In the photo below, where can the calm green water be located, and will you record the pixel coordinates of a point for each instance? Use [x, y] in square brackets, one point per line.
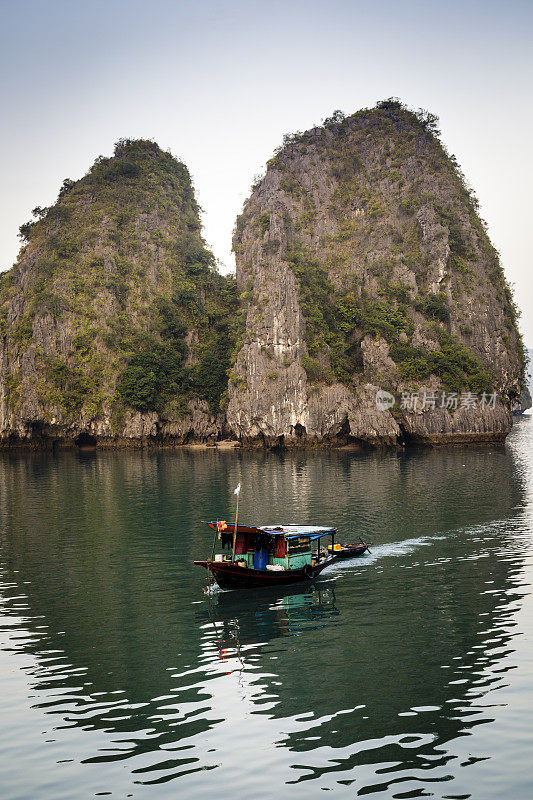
[408, 673]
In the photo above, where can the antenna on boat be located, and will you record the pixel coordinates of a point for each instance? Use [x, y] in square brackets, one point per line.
[237, 492]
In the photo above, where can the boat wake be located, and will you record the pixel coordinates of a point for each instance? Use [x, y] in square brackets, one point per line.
[388, 550]
[211, 589]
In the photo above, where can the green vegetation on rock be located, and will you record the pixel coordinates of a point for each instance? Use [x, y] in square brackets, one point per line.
[336, 323]
[118, 276]
[402, 254]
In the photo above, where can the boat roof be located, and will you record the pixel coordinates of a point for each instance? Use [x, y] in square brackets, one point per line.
[289, 531]
[293, 531]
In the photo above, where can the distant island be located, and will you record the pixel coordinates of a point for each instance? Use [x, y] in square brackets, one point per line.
[527, 391]
[369, 306]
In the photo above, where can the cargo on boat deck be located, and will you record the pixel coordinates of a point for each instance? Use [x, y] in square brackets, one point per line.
[261, 558]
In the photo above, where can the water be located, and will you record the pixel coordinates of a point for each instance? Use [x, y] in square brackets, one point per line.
[407, 673]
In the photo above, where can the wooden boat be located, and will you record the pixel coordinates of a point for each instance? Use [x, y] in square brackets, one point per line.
[268, 555]
[349, 550]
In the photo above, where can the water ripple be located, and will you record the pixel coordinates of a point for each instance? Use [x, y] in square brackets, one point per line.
[404, 673]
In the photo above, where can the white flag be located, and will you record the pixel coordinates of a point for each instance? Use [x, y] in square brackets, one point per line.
[238, 489]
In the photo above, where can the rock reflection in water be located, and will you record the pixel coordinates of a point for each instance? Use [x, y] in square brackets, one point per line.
[378, 679]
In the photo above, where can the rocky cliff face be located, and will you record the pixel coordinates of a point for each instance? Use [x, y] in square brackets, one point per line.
[373, 308]
[364, 266]
[114, 322]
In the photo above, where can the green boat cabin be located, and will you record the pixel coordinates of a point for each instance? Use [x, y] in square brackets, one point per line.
[272, 547]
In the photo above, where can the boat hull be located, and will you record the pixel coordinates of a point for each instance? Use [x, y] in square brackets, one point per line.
[231, 576]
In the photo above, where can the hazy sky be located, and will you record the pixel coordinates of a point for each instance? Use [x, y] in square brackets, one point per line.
[220, 83]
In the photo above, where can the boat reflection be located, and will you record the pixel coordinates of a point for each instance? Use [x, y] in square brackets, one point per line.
[239, 621]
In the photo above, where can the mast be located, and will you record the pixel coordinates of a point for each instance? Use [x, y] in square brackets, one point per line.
[237, 492]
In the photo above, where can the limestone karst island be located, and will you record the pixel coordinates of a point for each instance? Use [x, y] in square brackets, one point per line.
[363, 267]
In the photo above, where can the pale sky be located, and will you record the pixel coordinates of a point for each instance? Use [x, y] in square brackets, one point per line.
[219, 83]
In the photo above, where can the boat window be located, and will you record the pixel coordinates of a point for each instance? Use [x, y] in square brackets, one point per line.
[299, 545]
